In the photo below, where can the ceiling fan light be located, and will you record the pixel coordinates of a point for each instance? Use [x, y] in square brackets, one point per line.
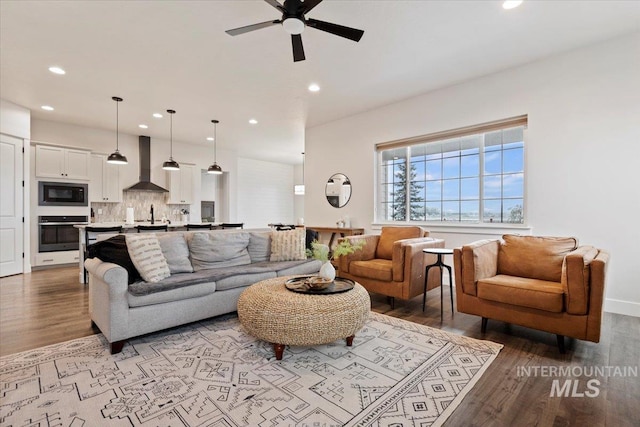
[116, 158]
[293, 26]
[171, 165]
[214, 169]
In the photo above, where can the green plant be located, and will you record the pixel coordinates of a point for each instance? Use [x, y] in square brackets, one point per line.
[320, 251]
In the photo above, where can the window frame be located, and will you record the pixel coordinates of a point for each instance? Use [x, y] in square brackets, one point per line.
[482, 129]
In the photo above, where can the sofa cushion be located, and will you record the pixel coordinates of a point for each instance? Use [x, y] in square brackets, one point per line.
[377, 269]
[176, 294]
[534, 257]
[211, 275]
[289, 268]
[520, 291]
[217, 250]
[390, 235]
[288, 245]
[259, 246]
[176, 252]
[146, 255]
[114, 250]
[243, 280]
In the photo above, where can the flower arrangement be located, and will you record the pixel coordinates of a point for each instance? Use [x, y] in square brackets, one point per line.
[320, 251]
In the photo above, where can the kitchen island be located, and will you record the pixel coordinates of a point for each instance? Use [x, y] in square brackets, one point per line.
[126, 228]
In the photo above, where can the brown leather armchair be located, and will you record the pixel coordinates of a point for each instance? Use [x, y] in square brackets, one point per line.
[545, 283]
[392, 263]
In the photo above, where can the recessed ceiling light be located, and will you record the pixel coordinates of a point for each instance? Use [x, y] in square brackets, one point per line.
[314, 87]
[253, 121]
[57, 70]
[157, 115]
[47, 107]
[143, 126]
[209, 138]
[511, 4]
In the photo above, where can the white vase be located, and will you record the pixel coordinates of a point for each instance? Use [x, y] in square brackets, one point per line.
[327, 271]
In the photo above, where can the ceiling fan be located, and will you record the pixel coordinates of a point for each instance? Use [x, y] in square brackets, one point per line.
[294, 22]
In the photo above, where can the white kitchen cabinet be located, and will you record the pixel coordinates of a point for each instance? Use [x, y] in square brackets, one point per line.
[181, 185]
[58, 162]
[104, 185]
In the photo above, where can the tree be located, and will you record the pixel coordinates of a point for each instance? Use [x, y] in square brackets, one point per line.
[399, 205]
[516, 216]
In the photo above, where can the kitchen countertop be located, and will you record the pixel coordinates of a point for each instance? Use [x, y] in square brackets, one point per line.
[128, 226]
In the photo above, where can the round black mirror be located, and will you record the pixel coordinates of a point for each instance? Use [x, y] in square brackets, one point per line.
[338, 190]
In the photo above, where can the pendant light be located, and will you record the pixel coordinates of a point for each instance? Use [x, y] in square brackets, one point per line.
[171, 165]
[116, 158]
[214, 168]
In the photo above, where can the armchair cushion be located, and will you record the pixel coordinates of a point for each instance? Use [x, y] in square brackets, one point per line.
[520, 291]
[378, 269]
[534, 257]
[390, 235]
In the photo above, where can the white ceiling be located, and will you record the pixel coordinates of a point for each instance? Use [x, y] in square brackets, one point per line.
[161, 55]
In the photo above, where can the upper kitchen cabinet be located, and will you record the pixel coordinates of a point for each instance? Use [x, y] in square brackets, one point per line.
[58, 162]
[181, 185]
[104, 186]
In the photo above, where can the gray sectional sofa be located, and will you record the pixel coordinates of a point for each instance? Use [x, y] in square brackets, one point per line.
[209, 271]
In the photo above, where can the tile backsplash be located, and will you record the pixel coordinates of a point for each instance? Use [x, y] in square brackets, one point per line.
[141, 202]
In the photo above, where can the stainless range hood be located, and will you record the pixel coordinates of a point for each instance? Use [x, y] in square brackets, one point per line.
[145, 183]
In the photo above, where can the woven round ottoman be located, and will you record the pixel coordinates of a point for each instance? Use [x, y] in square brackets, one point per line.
[271, 312]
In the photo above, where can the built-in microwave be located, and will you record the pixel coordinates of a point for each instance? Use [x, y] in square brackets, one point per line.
[62, 194]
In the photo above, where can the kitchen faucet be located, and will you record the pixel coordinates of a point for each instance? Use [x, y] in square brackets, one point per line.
[152, 220]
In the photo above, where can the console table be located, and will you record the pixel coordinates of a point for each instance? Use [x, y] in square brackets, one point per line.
[343, 231]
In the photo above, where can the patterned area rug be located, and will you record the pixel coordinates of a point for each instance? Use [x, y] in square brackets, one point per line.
[213, 374]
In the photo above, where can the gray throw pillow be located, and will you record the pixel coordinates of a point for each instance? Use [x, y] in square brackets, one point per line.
[175, 250]
[218, 249]
[260, 246]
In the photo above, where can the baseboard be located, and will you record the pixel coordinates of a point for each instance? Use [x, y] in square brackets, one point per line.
[622, 307]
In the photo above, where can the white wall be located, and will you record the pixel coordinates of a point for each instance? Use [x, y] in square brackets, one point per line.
[267, 193]
[298, 201]
[582, 151]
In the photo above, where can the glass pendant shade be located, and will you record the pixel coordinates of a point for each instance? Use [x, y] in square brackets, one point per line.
[116, 157]
[171, 165]
[215, 169]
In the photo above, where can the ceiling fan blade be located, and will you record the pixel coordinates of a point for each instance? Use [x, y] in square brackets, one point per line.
[310, 4]
[242, 30]
[275, 4]
[338, 30]
[298, 49]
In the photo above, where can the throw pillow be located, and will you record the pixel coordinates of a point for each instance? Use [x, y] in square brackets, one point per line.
[176, 252]
[114, 250]
[146, 255]
[260, 246]
[219, 249]
[288, 245]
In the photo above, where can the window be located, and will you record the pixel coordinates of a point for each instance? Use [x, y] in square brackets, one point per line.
[470, 175]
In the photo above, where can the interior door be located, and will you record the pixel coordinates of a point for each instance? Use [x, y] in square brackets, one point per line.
[11, 209]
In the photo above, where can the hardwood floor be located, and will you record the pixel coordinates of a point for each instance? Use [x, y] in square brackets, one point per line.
[50, 306]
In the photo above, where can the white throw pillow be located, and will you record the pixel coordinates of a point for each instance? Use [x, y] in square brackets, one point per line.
[288, 245]
[146, 255]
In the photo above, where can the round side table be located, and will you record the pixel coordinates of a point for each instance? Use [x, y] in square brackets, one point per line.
[440, 252]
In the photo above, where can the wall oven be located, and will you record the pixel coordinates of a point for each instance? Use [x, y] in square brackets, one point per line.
[62, 194]
[57, 233]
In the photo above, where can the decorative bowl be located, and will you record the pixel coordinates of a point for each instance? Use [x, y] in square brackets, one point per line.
[317, 283]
